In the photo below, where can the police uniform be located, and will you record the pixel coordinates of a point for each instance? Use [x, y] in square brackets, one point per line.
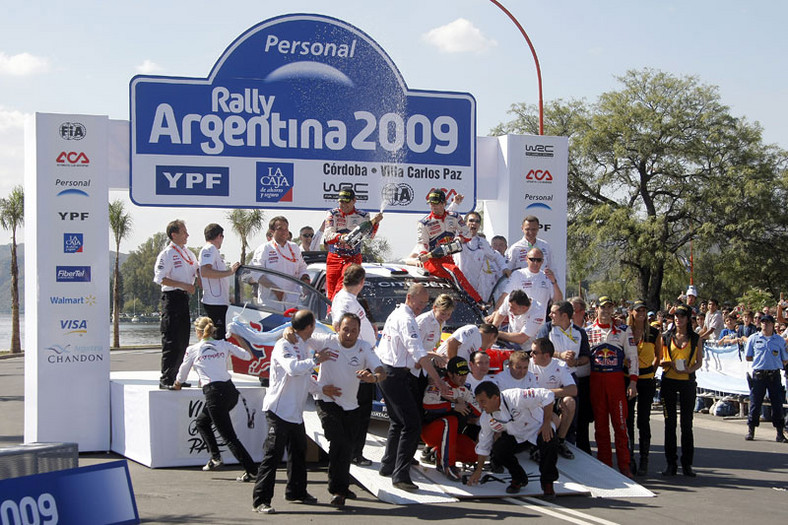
[768, 356]
[179, 264]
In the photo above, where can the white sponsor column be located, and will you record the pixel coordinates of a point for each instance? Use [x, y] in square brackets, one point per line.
[67, 280]
[532, 180]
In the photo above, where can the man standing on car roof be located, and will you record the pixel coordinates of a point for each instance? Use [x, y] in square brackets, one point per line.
[438, 228]
[339, 223]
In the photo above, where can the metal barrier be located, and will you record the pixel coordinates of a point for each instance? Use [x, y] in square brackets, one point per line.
[36, 458]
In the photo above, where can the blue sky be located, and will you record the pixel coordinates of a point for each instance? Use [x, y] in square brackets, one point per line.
[78, 57]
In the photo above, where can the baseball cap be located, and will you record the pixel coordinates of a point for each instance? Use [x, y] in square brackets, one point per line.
[346, 195]
[767, 318]
[692, 291]
[604, 300]
[458, 365]
[638, 304]
[436, 197]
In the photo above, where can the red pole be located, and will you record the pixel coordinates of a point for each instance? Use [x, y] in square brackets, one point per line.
[536, 60]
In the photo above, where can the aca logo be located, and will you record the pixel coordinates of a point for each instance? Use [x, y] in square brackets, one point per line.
[274, 182]
[397, 194]
[192, 180]
[74, 326]
[72, 131]
[543, 176]
[72, 242]
[72, 158]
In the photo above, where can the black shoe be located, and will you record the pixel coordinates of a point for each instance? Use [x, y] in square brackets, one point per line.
[548, 492]
[186, 385]
[350, 495]
[337, 501]
[564, 452]
[406, 485]
[670, 470]
[643, 467]
[385, 472]
[361, 461]
[781, 437]
[514, 487]
[750, 434]
[687, 470]
[495, 468]
[306, 498]
[164, 386]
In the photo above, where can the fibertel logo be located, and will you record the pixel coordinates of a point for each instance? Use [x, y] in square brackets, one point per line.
[72, 274]
[274, 182]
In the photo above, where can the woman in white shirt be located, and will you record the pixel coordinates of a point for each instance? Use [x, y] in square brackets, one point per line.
[209, 359]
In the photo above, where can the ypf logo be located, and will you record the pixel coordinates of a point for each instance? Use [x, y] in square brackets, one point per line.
[73, 215]
[72, 159]
[192, 180]
[72, 131]
[274, 182]
[397, 194]
[541, 176]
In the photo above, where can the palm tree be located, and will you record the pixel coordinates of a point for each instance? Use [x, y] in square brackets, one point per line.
[12, 215]
[245, 223]
[120, 222]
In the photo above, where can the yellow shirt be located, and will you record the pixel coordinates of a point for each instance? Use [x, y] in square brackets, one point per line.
[646, 353]
[675, 352]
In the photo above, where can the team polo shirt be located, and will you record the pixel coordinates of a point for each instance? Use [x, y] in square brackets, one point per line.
[290, 380]
[400, 342]
[345, 302]
[209, 359]
[553, 375]
[176, 263]
[214, 290]
[520, 415]
[504, 380]
[341, 369]
[517, 254]
[470, 339]
[429, 329]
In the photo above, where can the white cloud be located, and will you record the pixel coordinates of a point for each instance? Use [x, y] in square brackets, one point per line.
[22, 64]
[11, 120]
[149, 67]
[460, 36]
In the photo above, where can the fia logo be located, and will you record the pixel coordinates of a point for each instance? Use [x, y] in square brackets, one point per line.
[72, 131]
[397, 194]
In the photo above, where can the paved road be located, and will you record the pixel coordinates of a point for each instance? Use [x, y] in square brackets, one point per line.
[738, 482]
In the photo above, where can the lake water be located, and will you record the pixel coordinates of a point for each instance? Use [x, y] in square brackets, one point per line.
[131, 334]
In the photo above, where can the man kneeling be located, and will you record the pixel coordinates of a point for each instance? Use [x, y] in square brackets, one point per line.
[521, 419]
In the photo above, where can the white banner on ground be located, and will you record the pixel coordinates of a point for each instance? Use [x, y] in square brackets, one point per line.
[67, 280]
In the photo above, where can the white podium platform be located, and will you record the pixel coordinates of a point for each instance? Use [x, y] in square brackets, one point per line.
[156, 427]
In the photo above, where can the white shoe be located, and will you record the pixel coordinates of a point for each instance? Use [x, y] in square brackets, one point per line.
[265, 509]
[213, 464]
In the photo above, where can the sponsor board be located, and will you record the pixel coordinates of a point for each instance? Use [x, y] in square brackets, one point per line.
[294, 102]
[86, 300]
[73, 242]
[72, 131]
[73, 215]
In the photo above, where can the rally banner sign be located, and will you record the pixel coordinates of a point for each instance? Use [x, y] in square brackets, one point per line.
[295, 109]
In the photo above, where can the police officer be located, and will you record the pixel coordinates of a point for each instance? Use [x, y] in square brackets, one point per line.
[767, 352]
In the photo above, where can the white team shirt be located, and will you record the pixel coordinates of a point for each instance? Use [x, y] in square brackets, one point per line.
[429, 329]
[527, 323]
[214, 290]
[470, 339]
[290, 380]
[341, 371]
[504, 380]
[345, 302]
[520, 415]
[286, 259]
[538, 287]
[176, 263]
[400, 343]
[553, 375]
[209, 359]
[481, 265]
[517, 253]
[565, 341]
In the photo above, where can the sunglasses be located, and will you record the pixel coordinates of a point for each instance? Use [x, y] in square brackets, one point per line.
[307, 235]
[535, 259]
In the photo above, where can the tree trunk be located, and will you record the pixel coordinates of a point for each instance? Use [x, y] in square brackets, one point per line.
[16, 343]
[116, 300]
[653, 298]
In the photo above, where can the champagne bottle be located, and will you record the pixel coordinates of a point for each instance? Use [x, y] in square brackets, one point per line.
[358, 234]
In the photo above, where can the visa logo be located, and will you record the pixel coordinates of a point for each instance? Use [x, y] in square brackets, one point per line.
[192, 180]
[73, 324]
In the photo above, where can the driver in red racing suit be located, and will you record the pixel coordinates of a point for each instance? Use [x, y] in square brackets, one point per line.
[437, 228]
[613, 349]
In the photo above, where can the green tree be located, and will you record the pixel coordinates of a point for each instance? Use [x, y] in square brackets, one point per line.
[120, 223]
[245, 223]
[377, 249]
[137, 273]
[649, 166]
[12, 216]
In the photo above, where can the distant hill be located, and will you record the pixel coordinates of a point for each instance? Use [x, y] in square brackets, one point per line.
[5, 274]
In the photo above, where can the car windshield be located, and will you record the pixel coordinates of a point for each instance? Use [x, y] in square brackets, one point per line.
[275, 292]
[382, 294]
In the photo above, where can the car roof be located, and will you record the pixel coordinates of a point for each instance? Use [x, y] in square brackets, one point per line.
[384, 270]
